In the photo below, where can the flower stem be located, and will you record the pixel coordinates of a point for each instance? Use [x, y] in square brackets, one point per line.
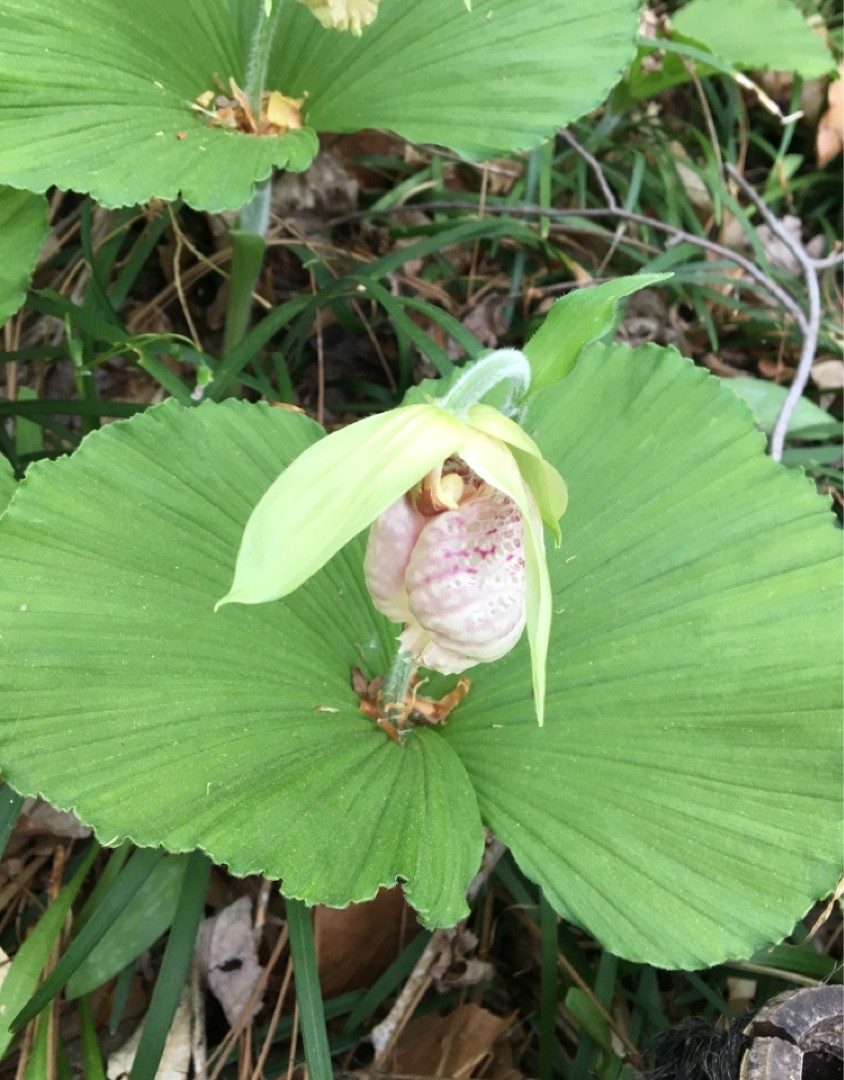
[504, 365]
[396, 686]
[260, 48]
[248, 240]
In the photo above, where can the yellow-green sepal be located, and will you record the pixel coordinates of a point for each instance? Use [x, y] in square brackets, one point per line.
[546, 484]
[496, 465]
[334, 490]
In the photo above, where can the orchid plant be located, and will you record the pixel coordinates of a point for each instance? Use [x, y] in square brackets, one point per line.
[678, 798]
[680, 801]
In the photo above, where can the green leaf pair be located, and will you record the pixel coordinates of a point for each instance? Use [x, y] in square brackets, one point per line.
[104, 90]
[682, 801]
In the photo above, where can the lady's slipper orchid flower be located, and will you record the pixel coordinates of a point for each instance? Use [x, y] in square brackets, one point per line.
[458, 493]
[448, 561]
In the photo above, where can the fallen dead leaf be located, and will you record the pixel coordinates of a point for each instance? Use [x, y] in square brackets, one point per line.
[175, 1060]
[225, 953]
[455, 966]
[359, 942]
[694, 185]
[486, 322]
[38, 817]
[455, 1045]
[828, 374]
[780, 254]
[829, 141]
[775, 370]
[503, 1066]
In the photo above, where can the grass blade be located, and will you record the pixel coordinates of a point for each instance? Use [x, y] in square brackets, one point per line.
[137, 871]
[174, 968]
[10, 807]
[311, 1011]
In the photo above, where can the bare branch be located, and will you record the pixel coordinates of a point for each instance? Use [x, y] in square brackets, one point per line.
[810, 268]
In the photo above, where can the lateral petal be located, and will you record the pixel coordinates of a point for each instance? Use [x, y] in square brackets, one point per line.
[494, 463]
[334, 490]
[546, 484]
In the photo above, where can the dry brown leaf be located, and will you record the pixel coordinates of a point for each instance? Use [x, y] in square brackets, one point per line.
[358, 943]
[225, 953]
[38, 817]
[693, 184]
[455, 1045]
[829, 141]
[775, 370]
[502, 1066]
[175, 1060]
[780, 254]
[485, 321]
[828, 374]
[326, 189]
[455, 967]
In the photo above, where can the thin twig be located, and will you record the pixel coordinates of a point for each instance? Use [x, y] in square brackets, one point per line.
[810, 268]
[678, 236]
[597, 171]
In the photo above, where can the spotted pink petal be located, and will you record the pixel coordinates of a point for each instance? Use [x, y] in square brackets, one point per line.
[392, 539]
[465, 585]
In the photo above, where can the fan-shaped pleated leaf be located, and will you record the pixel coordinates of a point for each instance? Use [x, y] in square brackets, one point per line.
[683, 801]
[97, 97]
[499, 77]
[757, 34]
[128, 699]
[7, 483]
[97, 94]
[23, 226]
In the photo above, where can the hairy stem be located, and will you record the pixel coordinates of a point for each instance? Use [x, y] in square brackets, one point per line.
[248, 241]
[260, 48]
[397, 684]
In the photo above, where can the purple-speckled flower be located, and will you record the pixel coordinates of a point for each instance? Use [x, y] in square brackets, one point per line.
[448, 561]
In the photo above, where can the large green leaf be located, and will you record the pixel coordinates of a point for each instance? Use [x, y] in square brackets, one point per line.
[682, 801]
[499, 77]
[103, 89]
[756, 34]
[127, 698]
[720, 35]
[96, 97]
[23, 226]
[7, 483]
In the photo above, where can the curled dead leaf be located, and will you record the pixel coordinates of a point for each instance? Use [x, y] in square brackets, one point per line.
[828, 374]
[175, 1058]
[829, 141]
[455, 1045]
[232, 110]
[225, 952]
